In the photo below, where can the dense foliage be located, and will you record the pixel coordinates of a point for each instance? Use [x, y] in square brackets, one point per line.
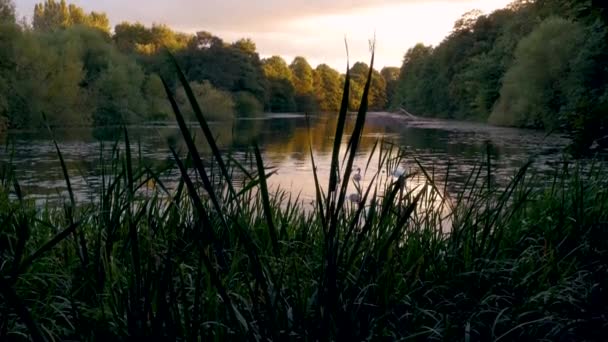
[52, 15]
[73, 76]
[70, 67]
[538, 64]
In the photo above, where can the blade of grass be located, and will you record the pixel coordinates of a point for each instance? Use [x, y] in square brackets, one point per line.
[334, 168]
[203, 123]
[48, 246]
[13, 300]
[196, 157]
[266, 201]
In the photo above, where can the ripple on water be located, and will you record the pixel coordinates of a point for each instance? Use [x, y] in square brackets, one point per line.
[284, 140]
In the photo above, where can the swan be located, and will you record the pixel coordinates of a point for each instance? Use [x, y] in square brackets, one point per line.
[357, 177]
[398, 172]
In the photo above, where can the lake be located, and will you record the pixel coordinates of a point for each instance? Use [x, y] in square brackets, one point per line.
[284, 140]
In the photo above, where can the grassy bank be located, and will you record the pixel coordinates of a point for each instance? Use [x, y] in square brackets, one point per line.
[214, 260]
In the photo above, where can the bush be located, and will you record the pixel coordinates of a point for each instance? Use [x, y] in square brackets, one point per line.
[246, 104]
[215, 104]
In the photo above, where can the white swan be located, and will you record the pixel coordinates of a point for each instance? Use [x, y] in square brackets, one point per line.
[357, 177]
[398, 172]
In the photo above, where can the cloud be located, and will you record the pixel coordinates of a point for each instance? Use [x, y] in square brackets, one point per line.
[311, 28]
[226, 14]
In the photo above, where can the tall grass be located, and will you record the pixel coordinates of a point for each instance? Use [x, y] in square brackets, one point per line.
[211, 260]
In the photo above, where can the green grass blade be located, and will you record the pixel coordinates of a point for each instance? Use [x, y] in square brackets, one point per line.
[194, 197]
[335, 156]
[196, 157]
[266, 200]
[13, 300]
[203, 124]
[48, 246]
[355, 138]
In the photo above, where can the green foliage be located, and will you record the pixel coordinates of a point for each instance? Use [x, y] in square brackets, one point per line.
[227, 67]
[275, 67]
[377, 94]
[119, 95]
[518, 66]
[302, 76]
[7, 11]
[281, 96]
[94, 61]
[74, 77]
[281, 91]
[327, 88]
[218, 104]
[246, 104]
[52, 15]
[415, 87]
[391, 78]
[154, 93]
[73, 70]
[46, 81]
[136, 38]
[461, 77]
[544, 80]
[246, 45]
[9, 37]
[303, 81]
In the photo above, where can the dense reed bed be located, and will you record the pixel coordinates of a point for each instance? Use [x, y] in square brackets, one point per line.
[215, 259]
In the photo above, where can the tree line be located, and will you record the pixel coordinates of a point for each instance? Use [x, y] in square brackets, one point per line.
[535, 64]
[69, 66]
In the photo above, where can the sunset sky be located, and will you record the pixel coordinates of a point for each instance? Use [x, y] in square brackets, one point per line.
[311, 28]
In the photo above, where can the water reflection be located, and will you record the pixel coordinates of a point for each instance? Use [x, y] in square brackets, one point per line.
[285, 140]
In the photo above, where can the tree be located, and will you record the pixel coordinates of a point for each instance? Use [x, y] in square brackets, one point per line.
[467, 21]
[118, 95]
[204, 40]
[391, 78]
[7, 11]
[161, 36]
[415, 88]
[128, 36]
[97, 20]
[73, 76]
[225, 66]
[116, 85]
[461, 77]
[302, 76]
[45, 80]
[281, 94]
[156, 98]
[377, 93]
[215, 104]
[246, 45]
[10, 34]
[328, 88]
[246, 104]
[543, 80]
[275, 67]
[52, 15]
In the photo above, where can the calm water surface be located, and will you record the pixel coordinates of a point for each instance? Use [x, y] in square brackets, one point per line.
[285, 141]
